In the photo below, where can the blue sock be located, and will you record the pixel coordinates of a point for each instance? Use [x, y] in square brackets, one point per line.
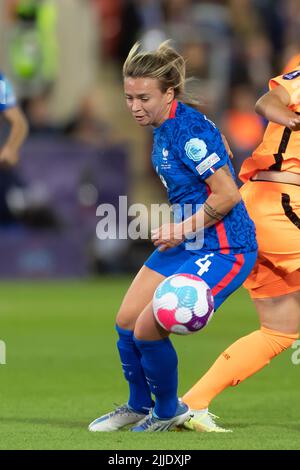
[159, 361]
[139, 392]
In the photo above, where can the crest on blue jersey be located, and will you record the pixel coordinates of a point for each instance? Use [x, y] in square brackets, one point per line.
[291, 75]
[196, 149]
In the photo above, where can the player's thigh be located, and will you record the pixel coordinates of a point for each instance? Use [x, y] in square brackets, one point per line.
[280, 313]
[157, 267]
[275, 209]
[138, 296]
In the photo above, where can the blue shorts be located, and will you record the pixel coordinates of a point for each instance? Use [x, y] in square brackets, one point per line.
[223, 273]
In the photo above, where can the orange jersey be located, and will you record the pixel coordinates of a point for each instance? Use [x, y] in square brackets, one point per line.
[280, 148]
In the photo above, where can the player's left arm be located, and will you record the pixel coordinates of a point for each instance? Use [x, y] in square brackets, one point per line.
[9, 153]
[224, 195]
[205, 155]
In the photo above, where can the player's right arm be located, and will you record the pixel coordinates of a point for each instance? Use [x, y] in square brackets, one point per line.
[9, 153]
[274, 107]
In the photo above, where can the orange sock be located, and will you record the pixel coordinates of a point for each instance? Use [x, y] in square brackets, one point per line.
[241, 360]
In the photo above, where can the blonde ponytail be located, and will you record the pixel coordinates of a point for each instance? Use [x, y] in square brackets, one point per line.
[165, 64]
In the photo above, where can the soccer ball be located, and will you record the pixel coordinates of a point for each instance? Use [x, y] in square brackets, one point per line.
[183, 304]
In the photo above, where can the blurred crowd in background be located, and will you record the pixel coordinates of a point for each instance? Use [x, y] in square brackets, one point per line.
[65, 59]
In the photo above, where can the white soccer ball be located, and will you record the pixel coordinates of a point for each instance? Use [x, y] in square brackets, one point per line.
[183, 304]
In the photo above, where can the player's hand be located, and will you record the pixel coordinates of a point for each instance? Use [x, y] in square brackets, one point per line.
[8, 156]
[167, 236]
[294, 123]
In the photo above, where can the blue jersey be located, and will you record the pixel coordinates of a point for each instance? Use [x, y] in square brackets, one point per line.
[7, 96]
[188, 149]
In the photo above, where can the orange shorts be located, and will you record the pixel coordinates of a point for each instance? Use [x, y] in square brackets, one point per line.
[275, 210]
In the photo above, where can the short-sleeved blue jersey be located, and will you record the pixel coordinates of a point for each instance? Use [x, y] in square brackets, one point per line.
[187, 149]
[7, 95]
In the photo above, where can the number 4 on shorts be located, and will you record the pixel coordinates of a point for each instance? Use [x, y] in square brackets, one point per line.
[204, 264]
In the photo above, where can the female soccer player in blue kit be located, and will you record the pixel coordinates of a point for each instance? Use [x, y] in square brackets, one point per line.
[191, 160]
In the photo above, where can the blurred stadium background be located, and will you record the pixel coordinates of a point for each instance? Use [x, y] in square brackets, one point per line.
[64, 58]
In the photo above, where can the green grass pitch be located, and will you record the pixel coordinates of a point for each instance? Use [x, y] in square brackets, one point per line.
[62, 371]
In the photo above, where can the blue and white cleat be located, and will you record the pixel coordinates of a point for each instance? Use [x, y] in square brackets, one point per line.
[203, 421]
[152, 423]
[117, 419]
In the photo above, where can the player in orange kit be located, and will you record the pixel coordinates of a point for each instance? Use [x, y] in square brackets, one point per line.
[272, 196]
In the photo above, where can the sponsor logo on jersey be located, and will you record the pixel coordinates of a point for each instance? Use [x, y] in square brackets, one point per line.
[207, 163]
[195, 149]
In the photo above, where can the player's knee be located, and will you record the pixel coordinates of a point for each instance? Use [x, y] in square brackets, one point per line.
[126, 319]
